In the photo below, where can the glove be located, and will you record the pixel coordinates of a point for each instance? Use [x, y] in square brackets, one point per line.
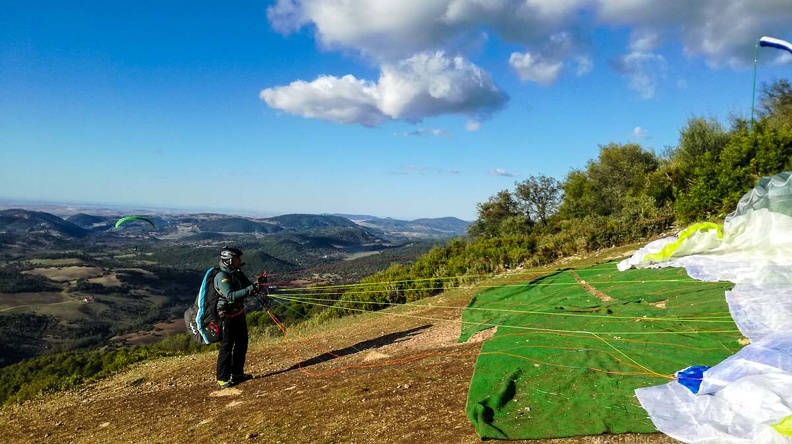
[262, 278]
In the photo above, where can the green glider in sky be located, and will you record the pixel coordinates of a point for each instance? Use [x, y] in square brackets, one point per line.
[128, 218]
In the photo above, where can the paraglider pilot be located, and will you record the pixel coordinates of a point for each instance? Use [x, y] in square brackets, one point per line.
[233, 287]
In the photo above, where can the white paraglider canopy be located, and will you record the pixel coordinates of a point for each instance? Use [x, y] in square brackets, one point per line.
[747, 397]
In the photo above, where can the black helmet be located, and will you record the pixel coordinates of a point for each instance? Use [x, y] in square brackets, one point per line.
[228, 253]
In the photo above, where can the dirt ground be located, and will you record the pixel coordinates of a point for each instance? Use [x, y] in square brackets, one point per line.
[396, 376]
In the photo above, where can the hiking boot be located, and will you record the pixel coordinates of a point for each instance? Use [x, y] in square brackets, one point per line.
[225, 384]
[236, 379]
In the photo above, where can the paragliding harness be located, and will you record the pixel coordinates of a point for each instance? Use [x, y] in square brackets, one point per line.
[201, 319]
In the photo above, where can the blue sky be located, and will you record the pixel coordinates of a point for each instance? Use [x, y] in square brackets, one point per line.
[394, 108]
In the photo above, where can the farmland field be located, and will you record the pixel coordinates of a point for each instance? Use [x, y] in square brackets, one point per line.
[11, 300]
[64, 274]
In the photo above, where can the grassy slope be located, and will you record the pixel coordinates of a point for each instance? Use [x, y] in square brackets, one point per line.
[396, 376]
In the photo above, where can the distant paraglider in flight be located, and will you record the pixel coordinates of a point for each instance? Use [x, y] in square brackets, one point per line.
[129, 218]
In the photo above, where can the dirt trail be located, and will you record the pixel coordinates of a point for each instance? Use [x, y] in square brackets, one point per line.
[396, 376]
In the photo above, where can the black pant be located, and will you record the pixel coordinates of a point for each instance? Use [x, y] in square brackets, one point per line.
[233, 347]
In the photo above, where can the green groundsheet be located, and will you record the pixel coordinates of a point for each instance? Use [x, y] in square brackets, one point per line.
[565, 361]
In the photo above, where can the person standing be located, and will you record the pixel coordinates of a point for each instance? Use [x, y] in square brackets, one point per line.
[232, 287]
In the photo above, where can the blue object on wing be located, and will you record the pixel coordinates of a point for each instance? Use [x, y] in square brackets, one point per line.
[691, 377]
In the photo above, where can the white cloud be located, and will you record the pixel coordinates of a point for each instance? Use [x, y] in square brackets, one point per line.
[425, 85]
[644, 70]
[472, 125]
[434, 84]
[545, 67]
[380, 29]
[501, 172]
[556, 37]
[518, 21]
[534, 69]
[782, 58]
[340, 100]
[426, 132]
[287, 16]
[723, 32]
[640, 133]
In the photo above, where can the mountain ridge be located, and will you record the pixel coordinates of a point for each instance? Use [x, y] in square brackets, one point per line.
[80, 223]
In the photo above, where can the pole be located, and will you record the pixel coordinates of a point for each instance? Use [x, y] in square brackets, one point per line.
[753, 96]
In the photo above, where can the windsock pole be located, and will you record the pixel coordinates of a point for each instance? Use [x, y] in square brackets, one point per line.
[753, 96]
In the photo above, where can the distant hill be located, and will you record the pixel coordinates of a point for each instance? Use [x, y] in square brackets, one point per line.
[444, 227]
[28, 223]
[86, 220]
[309, 221]
[339, 237]
[448, 224]
[237, 225]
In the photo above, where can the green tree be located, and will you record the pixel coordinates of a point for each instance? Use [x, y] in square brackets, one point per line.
[620, 172]
[700, 136]
[775, 104]
[493, 213]
[539, 198]
[578, 195]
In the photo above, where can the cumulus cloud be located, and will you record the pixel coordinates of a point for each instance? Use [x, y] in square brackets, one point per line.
[425, 85]
[340, 100]
[434, 84]
[380, 29]
[501, 172]
[554, 38]
[545, 67]
[532, 68]
[724, 33]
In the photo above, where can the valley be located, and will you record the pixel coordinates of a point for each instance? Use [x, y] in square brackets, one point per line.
[79, 282]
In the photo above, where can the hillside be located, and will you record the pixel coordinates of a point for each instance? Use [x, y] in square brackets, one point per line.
[396, 376]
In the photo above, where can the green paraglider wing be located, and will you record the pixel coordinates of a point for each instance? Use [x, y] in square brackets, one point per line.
[128, 218]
